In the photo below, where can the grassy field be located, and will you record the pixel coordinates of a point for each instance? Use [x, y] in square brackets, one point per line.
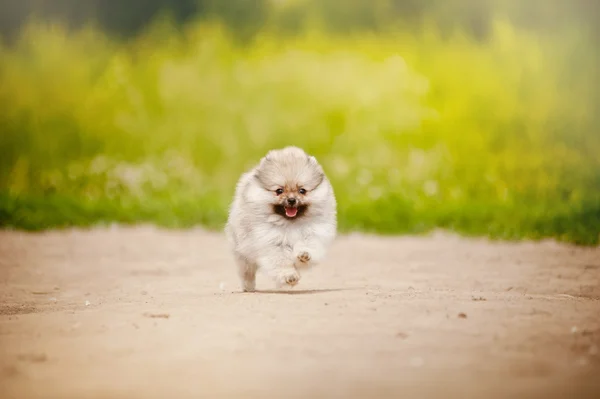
[415, 131]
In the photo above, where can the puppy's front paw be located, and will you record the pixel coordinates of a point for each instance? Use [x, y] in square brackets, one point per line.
[303, 257]
[288, 277]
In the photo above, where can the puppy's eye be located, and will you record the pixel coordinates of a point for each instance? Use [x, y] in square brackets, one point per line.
[279, 191]
[302, 191]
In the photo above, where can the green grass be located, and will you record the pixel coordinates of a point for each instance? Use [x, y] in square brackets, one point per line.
[415, 131]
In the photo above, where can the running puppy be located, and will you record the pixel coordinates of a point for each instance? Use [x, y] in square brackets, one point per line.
[283, 217]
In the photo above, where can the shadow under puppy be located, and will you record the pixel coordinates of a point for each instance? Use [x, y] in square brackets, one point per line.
[283, 217]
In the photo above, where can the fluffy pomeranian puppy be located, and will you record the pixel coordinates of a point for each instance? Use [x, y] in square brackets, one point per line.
[282, 219]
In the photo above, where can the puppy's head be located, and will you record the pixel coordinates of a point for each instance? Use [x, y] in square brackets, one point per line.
[291, 177]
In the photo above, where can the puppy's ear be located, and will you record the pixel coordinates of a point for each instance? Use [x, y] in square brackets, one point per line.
[266, 160]
[318, 173]
[262, 172]
[312, 161]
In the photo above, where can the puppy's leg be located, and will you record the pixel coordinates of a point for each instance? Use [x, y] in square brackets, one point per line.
[313, 247]
[247, 273]
[308, 253]
[280, 267]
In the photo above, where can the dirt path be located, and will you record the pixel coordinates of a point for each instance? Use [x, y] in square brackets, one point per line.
[144, 313]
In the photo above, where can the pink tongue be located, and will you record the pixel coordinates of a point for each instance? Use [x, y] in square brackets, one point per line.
[291, 212]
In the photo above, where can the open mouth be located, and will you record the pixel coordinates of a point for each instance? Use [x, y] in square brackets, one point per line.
[290, 212]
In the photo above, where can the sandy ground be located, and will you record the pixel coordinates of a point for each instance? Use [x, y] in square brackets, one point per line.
[144, 313]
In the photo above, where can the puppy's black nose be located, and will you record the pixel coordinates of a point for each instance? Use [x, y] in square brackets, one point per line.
[291, 201]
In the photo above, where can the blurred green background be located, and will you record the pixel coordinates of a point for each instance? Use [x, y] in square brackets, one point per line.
[478, 116]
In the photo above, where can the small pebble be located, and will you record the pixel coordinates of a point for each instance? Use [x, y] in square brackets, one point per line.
[157, 315]
[462, 315]
[574, 329]
[87, 303]
[222, 286]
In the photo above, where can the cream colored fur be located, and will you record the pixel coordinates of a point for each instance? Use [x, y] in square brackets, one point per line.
[263, 239]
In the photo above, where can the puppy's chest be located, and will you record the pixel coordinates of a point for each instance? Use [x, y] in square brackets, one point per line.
[285, 236]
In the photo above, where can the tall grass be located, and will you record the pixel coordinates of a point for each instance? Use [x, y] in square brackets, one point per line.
[415, 131]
